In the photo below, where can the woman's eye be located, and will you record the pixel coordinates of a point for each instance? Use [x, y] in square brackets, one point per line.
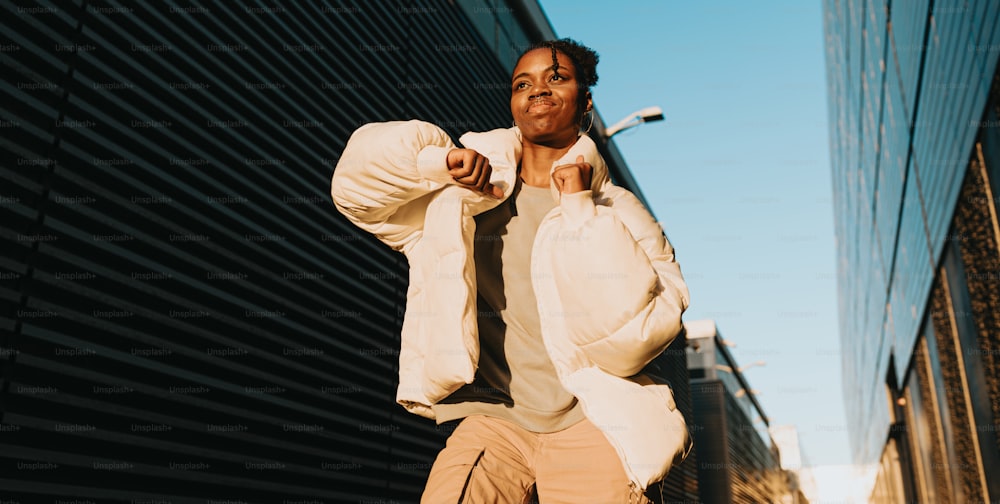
[557, 77]
[520, 85]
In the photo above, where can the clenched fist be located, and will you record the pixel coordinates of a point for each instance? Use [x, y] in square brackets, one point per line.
[472, 169]
[574, 177]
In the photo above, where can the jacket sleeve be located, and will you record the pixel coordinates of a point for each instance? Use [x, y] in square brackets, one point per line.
[386, 166]
[620, 288]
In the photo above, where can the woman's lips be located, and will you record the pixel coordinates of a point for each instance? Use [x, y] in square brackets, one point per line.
[540, 106]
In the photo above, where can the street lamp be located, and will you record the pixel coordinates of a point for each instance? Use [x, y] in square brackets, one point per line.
[752, 364]
[723, 367]
[648, 114]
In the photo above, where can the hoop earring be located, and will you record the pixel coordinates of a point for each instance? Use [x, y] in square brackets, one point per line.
[591, 125]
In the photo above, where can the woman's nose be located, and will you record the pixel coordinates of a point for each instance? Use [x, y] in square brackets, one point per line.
[538, 91]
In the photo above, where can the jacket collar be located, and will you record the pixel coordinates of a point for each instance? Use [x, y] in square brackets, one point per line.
[503, 148]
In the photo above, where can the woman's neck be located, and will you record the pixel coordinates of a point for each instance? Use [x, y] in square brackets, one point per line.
[536, 162]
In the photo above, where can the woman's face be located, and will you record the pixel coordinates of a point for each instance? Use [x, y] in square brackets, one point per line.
[544, 100]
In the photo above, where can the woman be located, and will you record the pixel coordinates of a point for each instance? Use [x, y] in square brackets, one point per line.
[538, 292]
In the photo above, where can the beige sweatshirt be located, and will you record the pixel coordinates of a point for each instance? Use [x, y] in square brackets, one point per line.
[515, 380]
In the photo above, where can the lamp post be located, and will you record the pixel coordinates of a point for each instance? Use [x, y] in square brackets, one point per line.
[648, 114]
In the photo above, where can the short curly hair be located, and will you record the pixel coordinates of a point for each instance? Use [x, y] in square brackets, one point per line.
[584, 60]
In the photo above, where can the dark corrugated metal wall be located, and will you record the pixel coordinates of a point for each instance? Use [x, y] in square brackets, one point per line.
[710, 433]
[681, 483]
[185, 315]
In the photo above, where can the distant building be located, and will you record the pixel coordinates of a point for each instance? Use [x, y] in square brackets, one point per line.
[798, 478]
[915, 143]
[787, 439]
[737, 459]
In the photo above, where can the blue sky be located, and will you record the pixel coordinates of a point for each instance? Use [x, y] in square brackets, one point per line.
[739, 176]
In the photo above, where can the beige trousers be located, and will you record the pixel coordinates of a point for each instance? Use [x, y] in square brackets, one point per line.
[492, 461]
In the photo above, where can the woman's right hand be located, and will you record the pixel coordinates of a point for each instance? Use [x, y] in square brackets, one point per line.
[472, 169]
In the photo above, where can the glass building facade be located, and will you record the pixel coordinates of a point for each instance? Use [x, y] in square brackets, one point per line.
[185, 317]
[914, 143]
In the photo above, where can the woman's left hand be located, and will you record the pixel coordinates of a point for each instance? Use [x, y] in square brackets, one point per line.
[574, 177]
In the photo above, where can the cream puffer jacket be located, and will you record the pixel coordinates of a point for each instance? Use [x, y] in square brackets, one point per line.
[610, 295]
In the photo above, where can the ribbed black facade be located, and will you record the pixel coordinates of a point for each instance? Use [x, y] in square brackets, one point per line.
[185, 316]
[711, 440]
